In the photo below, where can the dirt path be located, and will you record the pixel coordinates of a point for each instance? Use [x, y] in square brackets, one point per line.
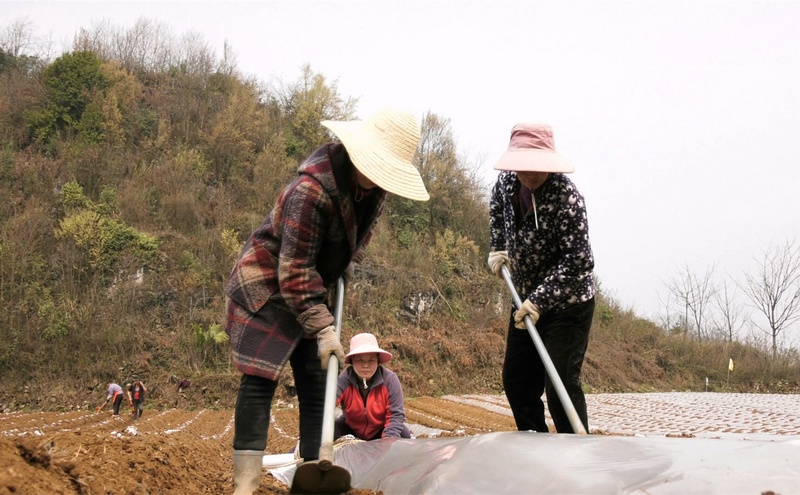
[182, 451]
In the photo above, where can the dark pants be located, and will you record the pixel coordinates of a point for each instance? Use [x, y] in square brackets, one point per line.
[565, 335]
[138, 408]
[116, 403]
[254, 401]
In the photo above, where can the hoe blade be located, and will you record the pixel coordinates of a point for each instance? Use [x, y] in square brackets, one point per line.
[320, 477]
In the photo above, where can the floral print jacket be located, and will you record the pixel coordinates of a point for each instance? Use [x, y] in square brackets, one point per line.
[549, 252]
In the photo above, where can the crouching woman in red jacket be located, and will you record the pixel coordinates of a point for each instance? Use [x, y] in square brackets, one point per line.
[370, 395]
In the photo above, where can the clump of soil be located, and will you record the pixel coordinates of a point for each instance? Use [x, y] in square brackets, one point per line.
[169, 450]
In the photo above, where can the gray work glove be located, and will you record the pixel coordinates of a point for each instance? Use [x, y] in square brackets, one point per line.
[496, 260]
[328, 343]
[527, 309]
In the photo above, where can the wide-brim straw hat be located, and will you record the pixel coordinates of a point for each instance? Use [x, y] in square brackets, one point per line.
[382, 148]
[366, 343]
[532, 149]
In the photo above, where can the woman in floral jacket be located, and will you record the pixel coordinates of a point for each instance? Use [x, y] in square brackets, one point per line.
[538, 226]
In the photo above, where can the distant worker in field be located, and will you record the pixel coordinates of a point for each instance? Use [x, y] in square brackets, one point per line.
[115, 396]
[183, 385]
[136, 394]
[369, 394]
[538, 227]
[321, 223]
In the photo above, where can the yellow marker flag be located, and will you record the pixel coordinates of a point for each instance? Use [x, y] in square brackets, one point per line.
[730, 364]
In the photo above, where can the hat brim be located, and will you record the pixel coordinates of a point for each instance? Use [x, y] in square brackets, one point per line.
[383, 356]
[530, 160]
[377, 163]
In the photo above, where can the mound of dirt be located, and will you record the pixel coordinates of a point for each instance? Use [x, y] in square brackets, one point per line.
[181, 451]
[169, 451]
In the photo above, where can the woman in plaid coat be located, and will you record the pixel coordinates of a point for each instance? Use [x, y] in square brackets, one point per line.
[277, 313]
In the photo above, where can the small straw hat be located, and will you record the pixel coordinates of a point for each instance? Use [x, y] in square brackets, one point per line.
[382, 147]
[365, 343]
[532, 149]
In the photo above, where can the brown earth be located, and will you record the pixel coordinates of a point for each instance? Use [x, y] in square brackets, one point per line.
[170, 451]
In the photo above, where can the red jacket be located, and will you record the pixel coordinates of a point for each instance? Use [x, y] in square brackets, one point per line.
[382, 414]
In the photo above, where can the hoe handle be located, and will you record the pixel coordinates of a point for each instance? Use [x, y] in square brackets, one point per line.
[569, 407]
[328, 413]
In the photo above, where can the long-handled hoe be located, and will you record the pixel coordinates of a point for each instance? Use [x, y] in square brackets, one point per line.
[322, 476]
[569, 407]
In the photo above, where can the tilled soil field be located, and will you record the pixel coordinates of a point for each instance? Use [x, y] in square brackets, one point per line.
[189, 451]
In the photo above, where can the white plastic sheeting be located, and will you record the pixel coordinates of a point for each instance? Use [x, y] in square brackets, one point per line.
[528, 462]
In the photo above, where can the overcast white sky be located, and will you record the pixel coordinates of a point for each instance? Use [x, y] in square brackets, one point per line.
[682, 118]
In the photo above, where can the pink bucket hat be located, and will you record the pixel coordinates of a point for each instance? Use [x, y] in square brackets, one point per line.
[532, 149]
[366, 343]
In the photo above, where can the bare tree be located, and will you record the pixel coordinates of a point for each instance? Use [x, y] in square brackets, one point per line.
[667, 320]
[228, 63]
[731, 318]
[694, 294]
[775, 289]
[196, 56]
[18, 39]
[96, 39]
[134, 46]
[147, 46]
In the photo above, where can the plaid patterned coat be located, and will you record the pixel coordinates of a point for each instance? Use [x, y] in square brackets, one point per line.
[278, 287]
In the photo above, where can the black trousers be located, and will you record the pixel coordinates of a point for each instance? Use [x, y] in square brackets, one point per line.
[117, 402]
[254, 401]
[565, 335]
[138, 409]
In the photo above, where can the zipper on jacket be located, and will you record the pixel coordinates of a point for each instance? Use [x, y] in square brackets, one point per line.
[535, 215]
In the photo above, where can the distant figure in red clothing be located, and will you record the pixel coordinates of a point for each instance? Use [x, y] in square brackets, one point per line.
[370, 395]
[136, 393]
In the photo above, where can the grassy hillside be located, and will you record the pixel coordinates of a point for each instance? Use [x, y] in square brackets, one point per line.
[130, 183]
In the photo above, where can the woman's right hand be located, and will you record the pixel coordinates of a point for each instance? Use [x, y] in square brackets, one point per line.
[328, 343]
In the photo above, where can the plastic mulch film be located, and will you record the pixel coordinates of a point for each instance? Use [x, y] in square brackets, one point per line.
[528, 462]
